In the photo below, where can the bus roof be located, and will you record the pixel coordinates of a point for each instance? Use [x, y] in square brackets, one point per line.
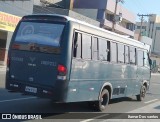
[108, 34]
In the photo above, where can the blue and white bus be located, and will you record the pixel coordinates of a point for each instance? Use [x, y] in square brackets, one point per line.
[66, 60]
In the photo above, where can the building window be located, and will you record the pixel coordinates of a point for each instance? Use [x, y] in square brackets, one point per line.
[157, 28]
[110, 17]
[144, 27]
[130, 26]
[138, 27]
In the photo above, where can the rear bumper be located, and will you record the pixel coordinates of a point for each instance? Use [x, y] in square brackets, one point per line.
[42, 91]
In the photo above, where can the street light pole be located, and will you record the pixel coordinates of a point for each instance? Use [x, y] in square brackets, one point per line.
[114, 18]
[139, 38]
[71, 4]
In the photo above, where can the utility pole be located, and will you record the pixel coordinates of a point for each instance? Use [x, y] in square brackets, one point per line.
[71, 4]
[142, 18]
[114, 18]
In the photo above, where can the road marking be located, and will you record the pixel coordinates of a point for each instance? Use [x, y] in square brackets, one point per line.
[155, 74]
[17, 99]
[97, 117]
[155, 83]
[151, 101]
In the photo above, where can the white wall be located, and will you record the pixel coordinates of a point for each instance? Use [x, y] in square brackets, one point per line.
[126, 14]
[146, 40]
[37, 2]
[156, 45]
[91, 13]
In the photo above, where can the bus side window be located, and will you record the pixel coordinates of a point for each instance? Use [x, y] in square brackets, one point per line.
[126, 54]
[140, 58]
[86, 46]
[109, 48]
[95, 48]
[132, 55]
[103, 51]
[113, 52]
[77, 45]
[146, 59]
[120, 53]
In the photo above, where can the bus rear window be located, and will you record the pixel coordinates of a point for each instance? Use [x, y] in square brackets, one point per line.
[48, 34]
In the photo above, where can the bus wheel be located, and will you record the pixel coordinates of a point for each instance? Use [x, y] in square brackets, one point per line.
[103, 100]
[142, 94]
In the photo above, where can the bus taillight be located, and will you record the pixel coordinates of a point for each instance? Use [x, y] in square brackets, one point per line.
[15, 46]
[62, 71]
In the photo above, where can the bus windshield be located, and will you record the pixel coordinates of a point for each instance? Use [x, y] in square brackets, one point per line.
[40, 33]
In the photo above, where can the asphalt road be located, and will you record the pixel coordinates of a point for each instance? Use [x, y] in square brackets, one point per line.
[18, 103]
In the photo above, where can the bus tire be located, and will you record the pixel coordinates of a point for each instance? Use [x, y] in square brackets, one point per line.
[142, 94]
[103, 101]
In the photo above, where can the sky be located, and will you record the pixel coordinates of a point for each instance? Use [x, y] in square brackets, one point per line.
[142, 7]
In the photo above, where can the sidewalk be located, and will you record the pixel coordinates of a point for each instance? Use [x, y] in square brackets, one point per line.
[155, 73]
[2, 68]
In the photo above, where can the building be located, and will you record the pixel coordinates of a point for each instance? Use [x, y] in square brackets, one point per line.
[151, 29]
[63, 4]
[60, 7]
[103, 11]
[99, 10]
[10, 14]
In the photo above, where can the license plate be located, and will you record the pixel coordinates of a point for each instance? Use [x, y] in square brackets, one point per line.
[31, 89]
